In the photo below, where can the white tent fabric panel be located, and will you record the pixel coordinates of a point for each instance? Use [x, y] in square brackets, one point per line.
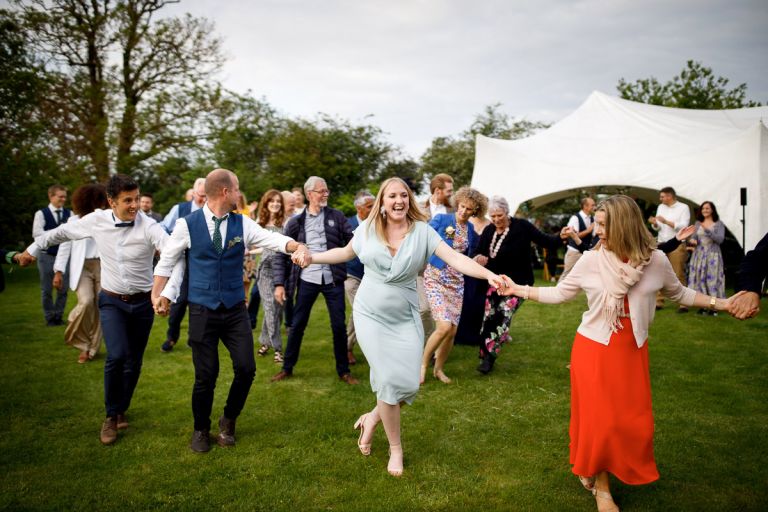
[704, 155]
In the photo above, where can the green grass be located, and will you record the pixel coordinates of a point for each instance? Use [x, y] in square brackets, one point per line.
[493, 443]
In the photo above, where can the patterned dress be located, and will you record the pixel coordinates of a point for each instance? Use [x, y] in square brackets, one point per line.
[705, 269]
[273, 311]
[445, 287]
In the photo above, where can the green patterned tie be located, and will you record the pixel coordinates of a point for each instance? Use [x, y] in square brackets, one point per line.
[217, 234]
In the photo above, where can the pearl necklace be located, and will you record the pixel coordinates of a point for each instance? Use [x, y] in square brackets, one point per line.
[495, 246]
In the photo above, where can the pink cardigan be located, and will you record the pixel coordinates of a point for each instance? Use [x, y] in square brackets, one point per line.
[657, 275]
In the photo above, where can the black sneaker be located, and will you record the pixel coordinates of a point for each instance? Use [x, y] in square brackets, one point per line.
[201, 442]
[226, 432]
[167, 346]
[487, 365]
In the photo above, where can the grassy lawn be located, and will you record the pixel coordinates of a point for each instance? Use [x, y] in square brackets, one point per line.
[492, 443]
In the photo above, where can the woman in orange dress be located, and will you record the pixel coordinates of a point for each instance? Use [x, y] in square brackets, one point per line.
[611, 427]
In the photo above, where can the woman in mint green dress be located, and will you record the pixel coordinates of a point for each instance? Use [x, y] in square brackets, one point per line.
[394, 244]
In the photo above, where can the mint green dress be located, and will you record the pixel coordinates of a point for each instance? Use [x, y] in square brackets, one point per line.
[386, 310]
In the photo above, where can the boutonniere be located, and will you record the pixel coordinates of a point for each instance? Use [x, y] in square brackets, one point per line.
[234, 242]
[450, 232]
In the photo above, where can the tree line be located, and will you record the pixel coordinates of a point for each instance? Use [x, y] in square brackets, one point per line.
[93, 87]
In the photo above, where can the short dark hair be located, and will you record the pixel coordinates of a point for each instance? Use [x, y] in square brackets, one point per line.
[147, 194]
[89, 197]
[120, 183]
[700, 217]
[669, 190]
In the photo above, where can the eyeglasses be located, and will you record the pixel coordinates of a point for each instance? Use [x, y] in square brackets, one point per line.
[323, 192]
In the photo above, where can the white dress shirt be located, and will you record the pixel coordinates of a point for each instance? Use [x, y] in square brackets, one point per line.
[38, 223]
[179, 241]
[126, 252]
[679, 213]
[573, 223]
[436, 209]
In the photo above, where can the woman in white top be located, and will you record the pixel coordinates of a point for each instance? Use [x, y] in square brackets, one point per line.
[611, 426]
[83, 327]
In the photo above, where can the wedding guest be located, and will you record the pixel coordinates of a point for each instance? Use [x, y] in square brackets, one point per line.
[611, 426]
[752, 274]
[289, 200]
[82, 256]
[581, 224]
[146, 202]
[46, 219]
[706, 271]
[443, 284]
[298, 196]
[355, 269]
[215, 240]
[126, 242]
[394, 244]
[505, 248]
[271, 217]
[473, 304]
[672, 216]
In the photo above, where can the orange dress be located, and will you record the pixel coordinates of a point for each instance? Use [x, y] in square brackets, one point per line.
[611, 417]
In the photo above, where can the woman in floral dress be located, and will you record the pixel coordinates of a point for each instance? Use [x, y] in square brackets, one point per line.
[444, 285]
[706, 272]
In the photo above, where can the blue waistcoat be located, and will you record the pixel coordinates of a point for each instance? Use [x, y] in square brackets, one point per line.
[215, 279]
[50, 223]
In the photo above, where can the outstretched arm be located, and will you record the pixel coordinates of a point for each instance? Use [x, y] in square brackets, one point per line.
[330, 257]
[466, 265]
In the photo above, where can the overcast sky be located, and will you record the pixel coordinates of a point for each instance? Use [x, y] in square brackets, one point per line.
[425, 68]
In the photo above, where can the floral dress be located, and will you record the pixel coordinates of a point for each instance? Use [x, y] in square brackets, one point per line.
[706, 271]
[445, 287]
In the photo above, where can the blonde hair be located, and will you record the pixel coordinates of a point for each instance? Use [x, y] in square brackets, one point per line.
[625, 229]
[379, 221]
[469, 195]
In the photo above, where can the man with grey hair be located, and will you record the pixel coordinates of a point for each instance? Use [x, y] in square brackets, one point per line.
[321, 228]
[355, 270]
[179, 308]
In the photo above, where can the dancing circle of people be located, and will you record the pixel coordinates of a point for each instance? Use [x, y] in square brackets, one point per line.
[393, 260]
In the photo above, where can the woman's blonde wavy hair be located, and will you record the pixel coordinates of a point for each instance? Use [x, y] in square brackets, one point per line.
[625, 229]
[379, 221]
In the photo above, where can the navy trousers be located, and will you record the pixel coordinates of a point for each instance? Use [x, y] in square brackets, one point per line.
[126, 329]
[53, 311]
[178, 310]
[305, 299]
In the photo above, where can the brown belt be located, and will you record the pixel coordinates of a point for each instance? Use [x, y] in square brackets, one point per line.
[136, 297]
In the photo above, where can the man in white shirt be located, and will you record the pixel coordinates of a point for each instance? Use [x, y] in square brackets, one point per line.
[216, 240]
[439, 201]
[126, 243]
[672, 216]
[581, 223]
[46, 219]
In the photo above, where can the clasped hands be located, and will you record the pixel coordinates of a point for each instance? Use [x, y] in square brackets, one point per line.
[161, 305]
[301, 256]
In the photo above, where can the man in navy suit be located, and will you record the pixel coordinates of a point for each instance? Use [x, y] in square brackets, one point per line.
[355, 270]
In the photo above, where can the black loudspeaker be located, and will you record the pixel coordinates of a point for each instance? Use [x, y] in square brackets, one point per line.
[743, 196]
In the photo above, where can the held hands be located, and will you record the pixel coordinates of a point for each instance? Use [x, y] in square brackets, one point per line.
[301, 256]
[508, 288]
[25, 259]
[743, 305]
[498, 282]
[161, 305]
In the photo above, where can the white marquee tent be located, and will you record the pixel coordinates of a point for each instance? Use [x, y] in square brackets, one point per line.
[624, 145]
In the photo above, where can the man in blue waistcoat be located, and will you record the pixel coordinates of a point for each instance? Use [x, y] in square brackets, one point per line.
[46, 219]
[216, 240]
[179, 308]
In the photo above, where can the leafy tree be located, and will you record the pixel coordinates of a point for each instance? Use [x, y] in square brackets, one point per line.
[696, 87]
[455, 155]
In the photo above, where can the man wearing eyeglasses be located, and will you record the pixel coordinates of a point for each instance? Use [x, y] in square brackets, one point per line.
[320, 227]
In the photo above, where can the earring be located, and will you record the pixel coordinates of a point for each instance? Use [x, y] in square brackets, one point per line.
[383, 212]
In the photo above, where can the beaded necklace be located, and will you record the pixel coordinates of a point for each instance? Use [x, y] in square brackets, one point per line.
[495, 246]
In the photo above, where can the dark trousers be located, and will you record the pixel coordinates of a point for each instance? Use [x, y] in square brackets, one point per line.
[305, 299]
[253, 305]
[51, 310]
[288, 311]
[126, 331]
[206, 328]
[178, 310]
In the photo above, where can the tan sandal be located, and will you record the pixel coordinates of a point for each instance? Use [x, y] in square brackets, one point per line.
[606, 496]
[365, 449]
[587, 481]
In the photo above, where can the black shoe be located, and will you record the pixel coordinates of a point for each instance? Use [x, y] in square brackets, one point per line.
[701, 312]
[713, 313]
[682, 309]
[201, 442]
[487, 365]
[167, 346]
[226, 435]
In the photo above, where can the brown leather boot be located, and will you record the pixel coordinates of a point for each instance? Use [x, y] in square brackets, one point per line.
[122, 422]
[108, 433]
[226, 432]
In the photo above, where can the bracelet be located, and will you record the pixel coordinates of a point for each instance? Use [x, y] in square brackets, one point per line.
[526, 292]
[712, 302]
